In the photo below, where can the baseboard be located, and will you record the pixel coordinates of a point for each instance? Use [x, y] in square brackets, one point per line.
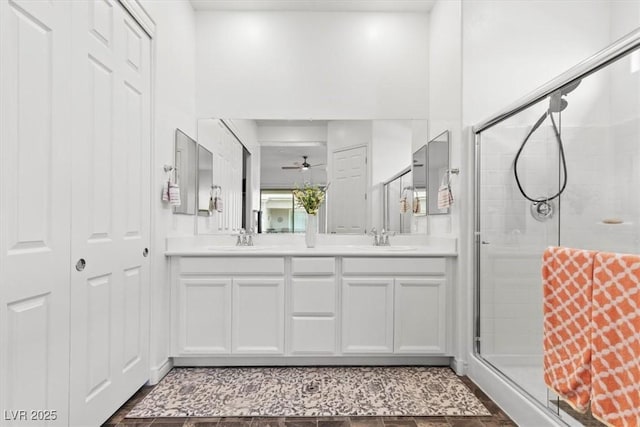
[524, 411]
[157, 373]
[310, 361]
[459, 366]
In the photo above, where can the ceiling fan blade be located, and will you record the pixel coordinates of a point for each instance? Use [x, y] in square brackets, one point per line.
[290, 167]
[318, 165]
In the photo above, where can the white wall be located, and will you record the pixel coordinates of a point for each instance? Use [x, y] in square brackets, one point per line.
[445, 102]
[511, 48]
[301, 65]
[174, 101]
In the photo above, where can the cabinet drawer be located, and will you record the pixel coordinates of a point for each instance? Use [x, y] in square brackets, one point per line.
[232, 265]
[394, 266]
[313, 266]
[313, 296]
[313, 335]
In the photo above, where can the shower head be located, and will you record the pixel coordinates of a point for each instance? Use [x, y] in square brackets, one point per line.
[570, 87]
[556, 101]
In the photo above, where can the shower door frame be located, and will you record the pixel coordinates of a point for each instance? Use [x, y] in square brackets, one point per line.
[601, 59]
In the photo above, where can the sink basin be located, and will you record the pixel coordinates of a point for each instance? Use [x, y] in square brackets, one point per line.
[238, 248]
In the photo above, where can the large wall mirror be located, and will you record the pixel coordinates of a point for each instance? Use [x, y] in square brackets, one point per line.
[353, 158]
[186, 167]
[206, 190]
[437, 171]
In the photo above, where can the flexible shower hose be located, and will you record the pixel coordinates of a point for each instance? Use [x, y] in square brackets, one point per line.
[562, 158]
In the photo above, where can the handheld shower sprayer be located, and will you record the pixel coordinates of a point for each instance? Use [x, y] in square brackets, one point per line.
[541, 207]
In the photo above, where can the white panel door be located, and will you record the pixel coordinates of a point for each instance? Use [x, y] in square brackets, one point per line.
[419, 325]
[348, 194]
[110, 209]
[34, 209]
[204, 316]
[258, 316]
[367, 315]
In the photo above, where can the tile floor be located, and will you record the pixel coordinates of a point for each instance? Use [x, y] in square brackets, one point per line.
[497, 418]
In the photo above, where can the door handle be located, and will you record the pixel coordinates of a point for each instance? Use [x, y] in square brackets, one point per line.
[81, 264]
[145, 252]
[484, 242]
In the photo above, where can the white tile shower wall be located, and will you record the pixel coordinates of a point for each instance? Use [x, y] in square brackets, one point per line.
[601, 149]
[511, 314]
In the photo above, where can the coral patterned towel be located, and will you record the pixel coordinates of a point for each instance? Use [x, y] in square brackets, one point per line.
[567, 277]
[615, 397]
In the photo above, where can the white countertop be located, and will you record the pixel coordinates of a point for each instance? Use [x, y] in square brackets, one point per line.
[328, 245]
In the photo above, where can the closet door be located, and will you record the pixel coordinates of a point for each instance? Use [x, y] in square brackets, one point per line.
[34, 210]
[111, 212]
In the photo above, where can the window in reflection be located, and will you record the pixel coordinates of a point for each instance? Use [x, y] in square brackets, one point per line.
[281, 215]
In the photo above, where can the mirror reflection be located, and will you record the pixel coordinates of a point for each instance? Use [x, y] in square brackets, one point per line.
[437, 171]
[353, 157]
[185, 172]
[205, 182]
[419, 171]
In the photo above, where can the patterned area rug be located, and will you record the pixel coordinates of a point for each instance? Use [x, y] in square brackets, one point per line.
[309, 392]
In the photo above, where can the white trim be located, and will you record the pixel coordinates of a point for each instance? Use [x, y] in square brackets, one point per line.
[140, 14]
[262, 360]
[459, 366]
[158, 372]
[518, 407]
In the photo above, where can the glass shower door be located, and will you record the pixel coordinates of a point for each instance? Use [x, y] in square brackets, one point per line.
[513, 235]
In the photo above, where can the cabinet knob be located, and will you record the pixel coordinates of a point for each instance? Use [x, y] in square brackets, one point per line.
[81, 264]
[145, 252]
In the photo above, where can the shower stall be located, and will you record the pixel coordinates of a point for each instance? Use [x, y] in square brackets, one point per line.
[561, 167]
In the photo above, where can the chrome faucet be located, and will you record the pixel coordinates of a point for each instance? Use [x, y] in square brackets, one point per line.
[245, 238]
[384, 238]
[242, 238]
[381, 239]
[376, 236]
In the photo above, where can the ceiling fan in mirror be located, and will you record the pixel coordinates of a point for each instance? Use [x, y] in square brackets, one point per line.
[302, 166]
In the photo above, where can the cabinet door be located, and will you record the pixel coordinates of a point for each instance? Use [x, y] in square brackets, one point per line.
[367, 315]
[204, 316]
[419, 325]
[258, 316]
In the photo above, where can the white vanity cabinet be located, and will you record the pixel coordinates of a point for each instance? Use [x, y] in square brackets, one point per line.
[394, 305]
[227, 305]
[274, 309]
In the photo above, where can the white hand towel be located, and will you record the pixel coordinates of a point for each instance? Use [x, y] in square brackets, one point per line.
[165, 192]
[174, 195]
[218, 203]
[445, 197]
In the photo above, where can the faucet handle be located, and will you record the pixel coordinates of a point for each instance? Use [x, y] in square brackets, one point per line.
[373, 232]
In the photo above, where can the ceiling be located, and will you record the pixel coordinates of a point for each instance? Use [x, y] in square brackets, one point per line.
[317, 5]
[275, 157]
